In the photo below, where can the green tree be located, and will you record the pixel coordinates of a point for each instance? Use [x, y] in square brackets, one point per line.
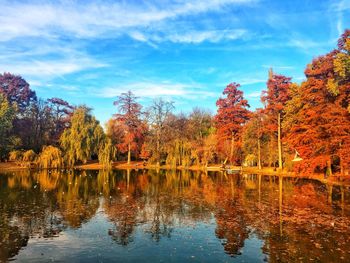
[7, 115]
[83, 139]
[106, 153]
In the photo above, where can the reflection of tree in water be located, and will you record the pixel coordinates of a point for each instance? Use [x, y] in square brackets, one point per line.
[312, 220]
[25, 211]
[156, 200]
[11, 240]
[77, 197]
[122, 209]
[160, 211]
[313, 228]
[175, 197]
[305, 228]
[231, 227]
[160, 225]
[230, 217]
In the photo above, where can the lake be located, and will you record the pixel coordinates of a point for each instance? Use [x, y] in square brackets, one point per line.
[170, 216]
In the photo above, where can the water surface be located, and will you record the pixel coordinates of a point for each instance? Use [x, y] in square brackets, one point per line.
[170, 216]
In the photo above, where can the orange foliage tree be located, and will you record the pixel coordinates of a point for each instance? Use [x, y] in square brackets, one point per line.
[274, 99]
[129, 118]
[231, 115]
[322, 132]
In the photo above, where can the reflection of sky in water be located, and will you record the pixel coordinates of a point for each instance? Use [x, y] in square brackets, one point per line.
[91, 243]
[119, 216]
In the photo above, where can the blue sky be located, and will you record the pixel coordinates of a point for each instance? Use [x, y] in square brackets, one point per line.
[88, 52]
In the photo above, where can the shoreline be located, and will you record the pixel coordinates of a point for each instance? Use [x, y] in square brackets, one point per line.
[270, 171]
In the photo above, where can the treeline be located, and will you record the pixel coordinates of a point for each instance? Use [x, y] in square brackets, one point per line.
[305, 127]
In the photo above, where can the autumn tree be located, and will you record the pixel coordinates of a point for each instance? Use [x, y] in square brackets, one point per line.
[37, 126]
[7, 116]
[50, 157]
[106, 153]
[177, 142]
[253, 137]
[342, 80]
[209, 148]
[129, 117]
[274, 99]
[231, 115]
[157, 115]
[84, 137]
[17, 90]
[200, 126]
[321, 134]
[61, 112]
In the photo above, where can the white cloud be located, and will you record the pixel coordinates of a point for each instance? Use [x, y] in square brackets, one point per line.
[250, 81]
[189, 36]
[254, 94]
[206, 35]
[340, 7]
[277, 67]
[35, 19]
[49, 68]
[153, 89]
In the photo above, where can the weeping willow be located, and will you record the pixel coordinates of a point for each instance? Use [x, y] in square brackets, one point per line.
[106, 153]
[180, 154]
[50, 157]
[83, 138]
[28, 157]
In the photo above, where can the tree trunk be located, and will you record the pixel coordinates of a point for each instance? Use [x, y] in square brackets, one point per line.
[280, 165]
[129, 153]
[158, 148]
[232, 147]
[330, 193]
[329, 168]
[341, 167]
[259, 154]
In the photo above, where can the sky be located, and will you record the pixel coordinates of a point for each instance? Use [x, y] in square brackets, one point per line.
[89, 52]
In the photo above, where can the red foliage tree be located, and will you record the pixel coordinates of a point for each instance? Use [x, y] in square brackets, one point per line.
[129, 117]
[274, 99]
[61, 112]
[17, 90]
[232, 113]
[322, 134]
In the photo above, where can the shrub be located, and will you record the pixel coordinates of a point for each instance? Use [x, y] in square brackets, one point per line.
[16, 156]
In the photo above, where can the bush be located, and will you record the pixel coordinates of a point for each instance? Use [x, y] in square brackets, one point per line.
[28, 157]
[16, 156]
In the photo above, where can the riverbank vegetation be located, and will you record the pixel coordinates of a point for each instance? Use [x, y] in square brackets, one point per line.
[303, 127]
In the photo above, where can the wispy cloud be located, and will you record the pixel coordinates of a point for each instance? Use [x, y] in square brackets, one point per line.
[339, 8]
[88, 20]
[155, 89]
[49, 68]
[278, 67]
[254, 95]
[251, 81]
[190, 36]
